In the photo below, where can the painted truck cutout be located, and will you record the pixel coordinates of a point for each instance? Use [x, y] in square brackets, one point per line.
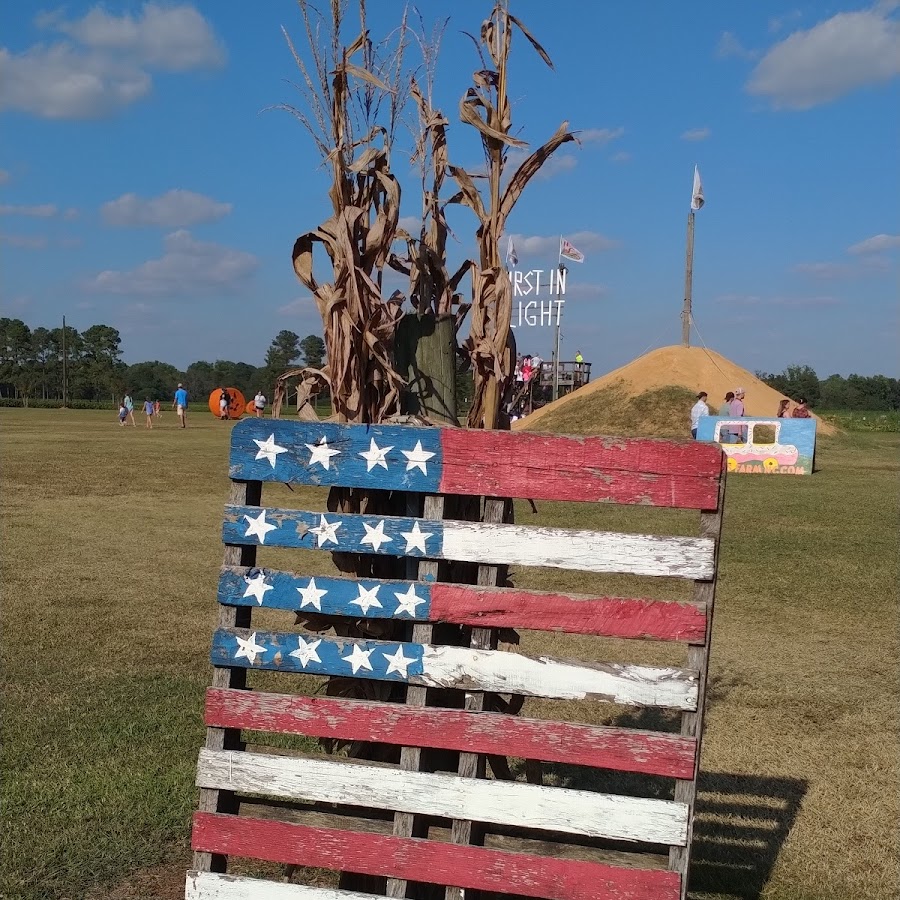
[791, 453]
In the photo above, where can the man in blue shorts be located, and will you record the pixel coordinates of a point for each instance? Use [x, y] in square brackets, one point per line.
[180, 404]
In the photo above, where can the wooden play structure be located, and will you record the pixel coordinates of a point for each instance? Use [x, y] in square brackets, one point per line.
[426, 820]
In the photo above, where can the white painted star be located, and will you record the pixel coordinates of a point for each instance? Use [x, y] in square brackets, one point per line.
[367, 599]
[268, 449]
[312, 596]
[359, 658]
[258, 527]
[257, 588]
[306, 652]
[397, 662]
[249, 648]
[321, 453]
[408, 602]
[415, 539]
[326, 531]
[417, 458]
[375, 536]
[375, 456]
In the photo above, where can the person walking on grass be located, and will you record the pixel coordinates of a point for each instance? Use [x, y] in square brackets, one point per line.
[224, 400]
[148, 411]
[123, 414]
[156, 408]
[259, 403]
[128, 403]
[698, 409]
[179, 404]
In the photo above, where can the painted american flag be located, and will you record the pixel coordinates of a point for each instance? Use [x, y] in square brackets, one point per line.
[432, 462]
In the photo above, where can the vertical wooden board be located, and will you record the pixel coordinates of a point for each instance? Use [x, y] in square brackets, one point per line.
[247, 493]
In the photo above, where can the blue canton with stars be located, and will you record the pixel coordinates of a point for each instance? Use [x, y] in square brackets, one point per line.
[387, 457]
[387, 535]
[318, 655]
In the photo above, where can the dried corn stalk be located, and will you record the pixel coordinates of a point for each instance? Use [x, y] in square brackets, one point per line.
[486, 107]
[354, 95]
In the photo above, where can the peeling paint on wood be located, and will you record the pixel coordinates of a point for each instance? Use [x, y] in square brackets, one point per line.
[478, 542]
[499, 802]
[473, 868]
[459, 668]
[622, 749]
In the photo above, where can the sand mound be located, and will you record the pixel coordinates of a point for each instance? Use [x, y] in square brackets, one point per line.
[653, 393]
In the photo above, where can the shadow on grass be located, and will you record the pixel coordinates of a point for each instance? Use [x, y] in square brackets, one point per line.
[741, 823]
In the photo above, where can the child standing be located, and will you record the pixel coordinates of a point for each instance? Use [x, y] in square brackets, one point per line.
[149, 410]
[123, 414]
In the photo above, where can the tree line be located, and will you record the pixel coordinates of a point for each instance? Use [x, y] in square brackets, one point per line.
[870, 392]
[81, 368]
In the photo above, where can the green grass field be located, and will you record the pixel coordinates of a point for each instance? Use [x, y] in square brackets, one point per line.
[110, 551]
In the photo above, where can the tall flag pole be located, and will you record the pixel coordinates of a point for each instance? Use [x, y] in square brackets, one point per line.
[566, 251]
[697, 202]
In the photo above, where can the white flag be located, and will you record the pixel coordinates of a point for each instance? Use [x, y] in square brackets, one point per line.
[697, 194]
[567, 251]
[512, 258]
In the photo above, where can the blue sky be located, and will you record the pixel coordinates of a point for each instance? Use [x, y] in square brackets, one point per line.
[144, 182]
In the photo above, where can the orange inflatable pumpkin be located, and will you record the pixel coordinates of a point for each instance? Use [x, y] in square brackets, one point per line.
[250, 408]
[236, 405]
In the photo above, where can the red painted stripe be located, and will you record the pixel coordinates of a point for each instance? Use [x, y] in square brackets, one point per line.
[549, 467]
[623, 749]
[663, 620]
[435, 862]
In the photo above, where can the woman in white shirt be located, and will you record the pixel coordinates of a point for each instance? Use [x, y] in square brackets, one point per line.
[698, 409]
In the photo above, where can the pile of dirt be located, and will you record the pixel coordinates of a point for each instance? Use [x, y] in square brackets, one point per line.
[653, 395]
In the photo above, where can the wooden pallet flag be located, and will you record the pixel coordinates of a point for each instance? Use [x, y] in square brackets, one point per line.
[398, 823]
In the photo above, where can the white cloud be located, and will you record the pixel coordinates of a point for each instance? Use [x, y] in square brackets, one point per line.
[303, 307]
[876, 244]
[170, 210]
[24, 241]
[39, 211]
[696, 134]
[776, 23]
[834, 271]
[4, 176]
[169, 38]
[621, 157]
[730, 47]
[556, 165]
[104, 63]
[837, 56]
[599, 135]
[412, 224]
[61, 82]
[585, 241]
[187, 267]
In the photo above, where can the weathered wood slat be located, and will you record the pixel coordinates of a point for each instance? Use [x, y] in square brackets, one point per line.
[498, 802]
[241, 492]
[460, 668]
[692, 722]
[462, 604]
[214, 886]
[472, 868]
[587, 469]
[405, 823]
[622, 749]
[488, 463]
[471, 763]
[477, 542]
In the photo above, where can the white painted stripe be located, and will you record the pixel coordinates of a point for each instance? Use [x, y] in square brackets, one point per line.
[212, 886]
[590, 551]
[510, 673]
[498, 802]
